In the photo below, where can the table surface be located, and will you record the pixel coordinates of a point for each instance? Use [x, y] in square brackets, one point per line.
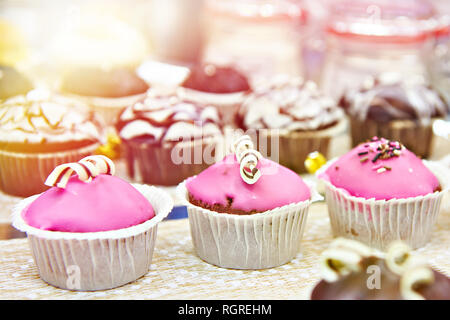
[177, 273]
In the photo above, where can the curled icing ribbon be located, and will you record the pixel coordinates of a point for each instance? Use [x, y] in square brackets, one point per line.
[248, 158]
[413, 270]
[86, 169]
[345, 256]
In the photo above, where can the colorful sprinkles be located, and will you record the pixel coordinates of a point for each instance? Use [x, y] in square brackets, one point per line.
[386, 149]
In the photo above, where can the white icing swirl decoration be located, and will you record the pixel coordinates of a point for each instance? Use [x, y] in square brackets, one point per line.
[345, 256]
[248, 158]
[86, 169]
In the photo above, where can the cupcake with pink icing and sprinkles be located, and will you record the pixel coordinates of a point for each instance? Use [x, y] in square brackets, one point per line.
[254, 218]
[91, 231]
[380, 192]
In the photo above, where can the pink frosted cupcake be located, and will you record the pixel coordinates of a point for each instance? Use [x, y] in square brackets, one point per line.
[380, 192]
[92, 231]
[253, 218]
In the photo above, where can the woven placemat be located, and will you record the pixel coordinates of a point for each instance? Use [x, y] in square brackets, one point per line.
[177, 273]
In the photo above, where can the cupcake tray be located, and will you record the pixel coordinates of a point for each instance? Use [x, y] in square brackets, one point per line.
[177, 273]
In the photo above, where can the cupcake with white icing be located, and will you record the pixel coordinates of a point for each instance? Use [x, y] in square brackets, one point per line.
[39, 131]
[295, 112]
[166, 139]
[395, 108]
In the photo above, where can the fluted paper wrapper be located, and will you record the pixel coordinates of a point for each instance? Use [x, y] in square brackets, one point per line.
[294, 147]
[257, 241]
[379, 222]
[95, 260]
[227, 104]
[24, 174]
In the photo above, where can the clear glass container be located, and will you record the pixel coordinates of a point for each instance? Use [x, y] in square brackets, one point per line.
[439, 60]
[260, 37]
[369, 37]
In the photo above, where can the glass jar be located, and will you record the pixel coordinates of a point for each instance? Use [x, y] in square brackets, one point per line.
[368, 37]
[260, 37]
[439, 60]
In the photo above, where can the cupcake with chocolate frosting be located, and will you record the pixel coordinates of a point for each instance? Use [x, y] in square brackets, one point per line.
[245, 211]
[166, 139]
[353, 271]
[380, 192]
[294, 112]
[37, 132]
[402, 110]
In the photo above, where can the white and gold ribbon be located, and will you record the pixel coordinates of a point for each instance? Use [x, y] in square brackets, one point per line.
[345, 256]
[248, 158]
[412, 269]
[86, 169]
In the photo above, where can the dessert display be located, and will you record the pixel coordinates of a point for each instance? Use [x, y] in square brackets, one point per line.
[221, 86]
[166, 139]
[353, 271]
[13, 83]
[103, 227]
[228, 122]
[38, 131]
[106, 90]
[294, 112]
[380, 192]
[402, 110]
[246, 212]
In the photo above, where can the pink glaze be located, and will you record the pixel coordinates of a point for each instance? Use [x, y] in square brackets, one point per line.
[106, 203]
[407, 178]
[278, 186]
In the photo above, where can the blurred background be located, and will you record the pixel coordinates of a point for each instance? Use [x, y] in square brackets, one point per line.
[317, 39]
[336, 43]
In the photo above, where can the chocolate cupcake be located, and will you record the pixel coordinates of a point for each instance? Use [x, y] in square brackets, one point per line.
[396, 109]
[352, 271]
[294, 112]
[166, 139]
[39, 131]
[107, 91]
[223, 87]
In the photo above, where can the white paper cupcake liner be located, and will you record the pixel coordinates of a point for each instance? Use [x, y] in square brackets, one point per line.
[379, 222]
[257, 241]
[95, 260]
[227, 104]
[24, 174]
